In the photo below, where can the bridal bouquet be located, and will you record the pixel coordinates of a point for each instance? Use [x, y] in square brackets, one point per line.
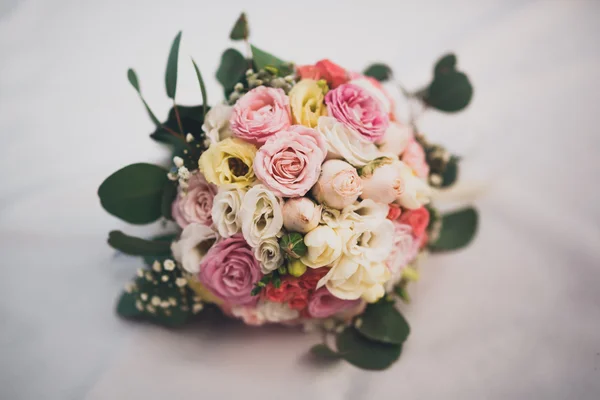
[300, 200]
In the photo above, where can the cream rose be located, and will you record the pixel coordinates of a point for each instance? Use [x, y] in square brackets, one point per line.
[345, 143]
[349, 279]
[216, 123]
[338, 186]
[261, 215]
[369, 244]
[192, 246]
[269, 255]
[324, 246]
[301, 214]
[416, 191]
[226, 211]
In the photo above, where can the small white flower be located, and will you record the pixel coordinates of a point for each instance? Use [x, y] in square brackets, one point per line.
[169, 265]
[269, 255]
[178, 161]
[261, 215]
[216, 123]
[324, 247]
[226, 208]
[345, 143]
[189, 138]
[192, 246]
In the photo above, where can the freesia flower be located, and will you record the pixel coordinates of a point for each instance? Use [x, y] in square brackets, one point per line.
[229, 162]
[345, 143]
[301, 214]
[195, 204]
[396, 138]
[216, 123]
[338, 186]
[324, 69]
[230, 271]
[324, 246]
[322, 304]
[269, 255]
[260, 113]
[194, 243]
[356, 108]
[289, 163]
[307, 103]
[227, 205]
[261, 215]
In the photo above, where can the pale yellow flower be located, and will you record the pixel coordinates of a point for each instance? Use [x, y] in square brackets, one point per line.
[307, 102]
[229, 162]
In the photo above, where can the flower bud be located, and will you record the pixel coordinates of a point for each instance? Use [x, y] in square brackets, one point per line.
[297, 268]
[292, 244]
[338, 186]
[382, 180]
[300, 214]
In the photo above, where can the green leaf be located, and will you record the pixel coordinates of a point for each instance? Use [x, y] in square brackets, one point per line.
[133, 80]
[445, 64]
[449, 92]
[171, 73]
[202, 90]
[168, 196]
[379, 71]
[401, 291]
[458, 229]
[383, 323]
[134, 193]
[450, 174]
[138, 247]
[240, 30]
[324, 352]
[364, 353]
[232, 68]
[126, 306]
[149, 259]
[263, 59]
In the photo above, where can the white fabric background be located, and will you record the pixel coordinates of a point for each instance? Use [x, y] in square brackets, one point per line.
[516, 315]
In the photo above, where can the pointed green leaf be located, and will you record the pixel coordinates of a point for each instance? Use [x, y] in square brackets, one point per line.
[134, 193]
[324, 352]
[383, 323]
[136, 246]
[364, 353]
[379, 71]
[240, 30]
[458, 229]
[168, 197]
[450, 174]
[202, 89]
[171, 73]
[232, 68]
[126, 306]
[262, 59]
[445, 64]
[133, 80]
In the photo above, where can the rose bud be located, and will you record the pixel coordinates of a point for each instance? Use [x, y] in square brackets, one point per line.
[296, 268]
[338, 186]
[300, 214]
[292, 245]
[382, 180]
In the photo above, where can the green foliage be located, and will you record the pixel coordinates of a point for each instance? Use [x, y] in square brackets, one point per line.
[262, 59]
[240, 30]
[445, 65]
[232, 69]
[450, 89]
[450, 174]
[171, 72]
[364, 353]
[322, 351]
[379, 71]
[168, 196]
[133, 80]
[202, 90]
[292, 245]
[458, 229]
[134, 193]
[383, 323]
[138, 247]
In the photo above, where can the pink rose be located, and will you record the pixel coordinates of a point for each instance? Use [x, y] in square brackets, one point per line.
[417, 219]
[195, 205]
[355, 107]
[230, 271]
[322, 304]
[404, 251]
[414, 157]
[324, 69]
[338, 186]
[259, 114]
[289, 163]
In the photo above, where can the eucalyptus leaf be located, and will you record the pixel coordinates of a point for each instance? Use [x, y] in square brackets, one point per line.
[134, 193]
[445, 65]
[449, 92]
[202, 90]
[379, 71]
[172, 64]
[450, 174]
[458, 229]
[364, 353]
[133, 80]
[263, 59]
[240, 30]
[324, 352]
[136, 246]
[383, 323]
[168, 197]
[126, 306]
[232, 69]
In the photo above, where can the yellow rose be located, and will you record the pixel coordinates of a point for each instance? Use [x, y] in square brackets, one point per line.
[229, 162]
[307, 102]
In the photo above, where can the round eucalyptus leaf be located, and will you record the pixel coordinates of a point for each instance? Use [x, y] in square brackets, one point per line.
[458, 229]
[383, 323]
[364, 353]
[449, 92]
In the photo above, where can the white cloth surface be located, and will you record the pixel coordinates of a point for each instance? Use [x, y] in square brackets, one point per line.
[514, 316]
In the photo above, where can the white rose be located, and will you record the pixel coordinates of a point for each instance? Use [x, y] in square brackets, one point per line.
[277, 312]
[338, 186]
[345, 143]
[374, 91]
[351, 280]
[367, 212]
[324, 246]
[195, 241]
[269, 255]
[261, 215]
[226, 211]
[416, 191]
[369, 244]
[216, 123]
[333, 218]
[301, 214]
[396, 138]
[382, 180]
